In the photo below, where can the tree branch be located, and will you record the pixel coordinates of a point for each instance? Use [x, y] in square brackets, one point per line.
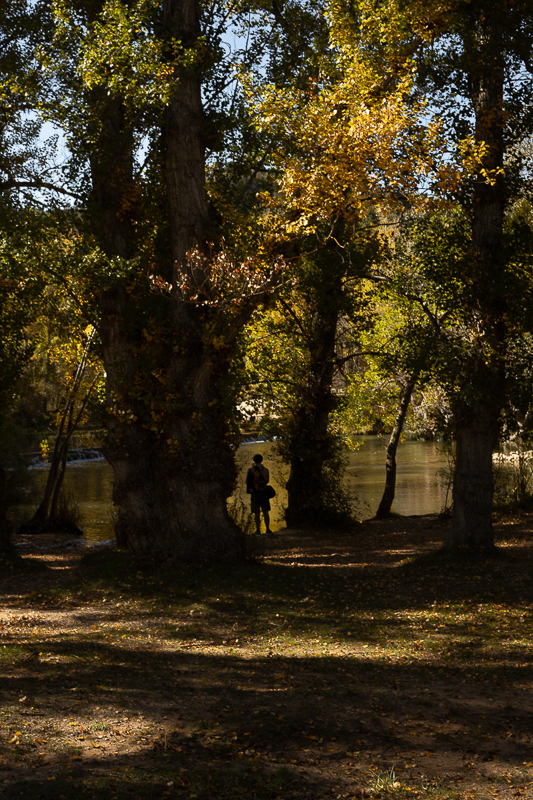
[38, 184]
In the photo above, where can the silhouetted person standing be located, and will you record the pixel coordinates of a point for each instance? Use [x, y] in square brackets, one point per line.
[257, 479]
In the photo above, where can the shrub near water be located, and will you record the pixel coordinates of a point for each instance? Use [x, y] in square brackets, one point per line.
[513, 479]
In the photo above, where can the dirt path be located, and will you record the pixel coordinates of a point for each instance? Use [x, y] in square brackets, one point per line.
[340, 665]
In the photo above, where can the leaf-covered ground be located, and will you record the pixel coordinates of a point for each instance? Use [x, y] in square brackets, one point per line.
[339, 665]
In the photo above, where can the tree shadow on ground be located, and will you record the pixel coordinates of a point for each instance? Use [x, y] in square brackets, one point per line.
[270, 681]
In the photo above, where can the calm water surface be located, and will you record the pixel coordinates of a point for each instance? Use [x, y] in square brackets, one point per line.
[419, 487]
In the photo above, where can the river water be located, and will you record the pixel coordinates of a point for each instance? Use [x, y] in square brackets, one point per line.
[420, 488]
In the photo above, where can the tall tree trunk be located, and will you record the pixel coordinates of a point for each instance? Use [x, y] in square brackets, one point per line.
[305, 483]
[167, 434]
[310, 440]
[477, 411]
[390, 463]
[172, 479]
[473, 485]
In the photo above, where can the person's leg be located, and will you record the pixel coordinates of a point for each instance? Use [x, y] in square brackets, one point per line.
[267, 521]
[256, 511]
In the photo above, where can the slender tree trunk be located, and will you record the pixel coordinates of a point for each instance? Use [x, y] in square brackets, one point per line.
[390, 463]
[46, 513]
[53, 480]
[477, 413]
[54, 504]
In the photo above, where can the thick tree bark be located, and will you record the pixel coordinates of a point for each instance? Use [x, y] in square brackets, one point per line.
[305, 483]
[310, 440]
[387, 499]
[171, 482]
[477, 412]
[473, 485]
[167, 434]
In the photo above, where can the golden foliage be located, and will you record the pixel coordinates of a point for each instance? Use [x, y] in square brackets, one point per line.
[359, 137]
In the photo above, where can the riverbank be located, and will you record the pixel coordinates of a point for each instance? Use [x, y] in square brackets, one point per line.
[338, 665]
[420, 487]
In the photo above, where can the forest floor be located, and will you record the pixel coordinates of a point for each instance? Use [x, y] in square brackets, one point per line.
[337, 665]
